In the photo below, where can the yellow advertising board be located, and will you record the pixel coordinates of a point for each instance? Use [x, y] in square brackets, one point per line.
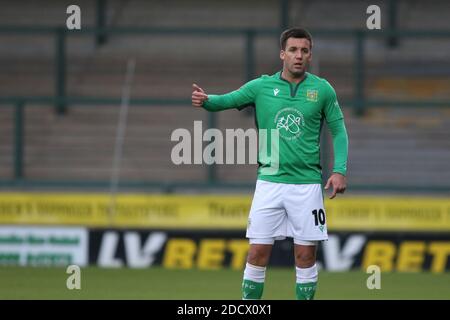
[214, 211]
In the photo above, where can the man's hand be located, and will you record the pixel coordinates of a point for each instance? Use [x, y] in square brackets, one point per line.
[338, 182]
[198, 96]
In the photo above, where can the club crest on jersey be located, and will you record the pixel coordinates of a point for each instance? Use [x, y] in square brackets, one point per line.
[289, 122]
[276, 91]
[312, 95]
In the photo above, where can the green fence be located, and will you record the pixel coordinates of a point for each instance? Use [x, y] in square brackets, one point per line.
[62, 101]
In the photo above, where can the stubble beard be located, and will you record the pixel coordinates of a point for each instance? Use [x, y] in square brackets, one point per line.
[297, 74]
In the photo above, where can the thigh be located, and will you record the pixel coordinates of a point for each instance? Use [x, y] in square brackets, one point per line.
[267, 218]
[306, 212]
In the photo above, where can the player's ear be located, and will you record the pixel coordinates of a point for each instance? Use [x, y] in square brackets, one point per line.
[282, 54]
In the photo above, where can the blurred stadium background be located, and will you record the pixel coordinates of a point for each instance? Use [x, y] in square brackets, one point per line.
[60, 97]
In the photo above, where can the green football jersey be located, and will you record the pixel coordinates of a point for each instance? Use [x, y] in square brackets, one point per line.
[297, 111]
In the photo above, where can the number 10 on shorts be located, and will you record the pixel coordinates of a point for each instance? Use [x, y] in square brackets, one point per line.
[319, 218]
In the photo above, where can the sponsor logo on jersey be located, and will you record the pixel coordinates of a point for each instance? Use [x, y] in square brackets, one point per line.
[276, 91]
[289, 122]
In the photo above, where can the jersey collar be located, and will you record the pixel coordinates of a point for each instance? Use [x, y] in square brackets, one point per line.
[291, 85]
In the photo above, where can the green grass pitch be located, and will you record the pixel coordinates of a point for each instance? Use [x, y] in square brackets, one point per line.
[158, 283]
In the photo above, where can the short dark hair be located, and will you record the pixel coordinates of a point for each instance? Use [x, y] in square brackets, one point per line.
[294, 33]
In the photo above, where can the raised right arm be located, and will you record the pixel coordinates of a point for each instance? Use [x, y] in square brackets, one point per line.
[240, 98]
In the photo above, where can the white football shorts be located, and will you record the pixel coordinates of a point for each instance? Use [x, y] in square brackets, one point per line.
[281, 210]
